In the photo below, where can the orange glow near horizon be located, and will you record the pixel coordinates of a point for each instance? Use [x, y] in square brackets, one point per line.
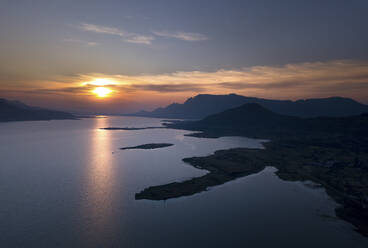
[102, 92]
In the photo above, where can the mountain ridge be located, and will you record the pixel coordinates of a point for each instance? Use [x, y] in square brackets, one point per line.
[203, 105]
[18, 111]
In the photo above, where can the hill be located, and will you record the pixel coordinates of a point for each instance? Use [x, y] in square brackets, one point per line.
[204, 105]
[253, 120]
[18, 111]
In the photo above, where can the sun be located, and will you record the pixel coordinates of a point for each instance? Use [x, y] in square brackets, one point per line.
[102, 92]
[101, 82]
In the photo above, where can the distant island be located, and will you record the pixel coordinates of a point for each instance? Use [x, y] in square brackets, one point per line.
[18, 111]
[204, 105]
[331, 151]
[147, 146]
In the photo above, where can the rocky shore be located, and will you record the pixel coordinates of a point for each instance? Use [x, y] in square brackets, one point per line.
[338, 167]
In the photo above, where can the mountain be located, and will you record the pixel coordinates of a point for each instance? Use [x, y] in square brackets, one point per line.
[18, 111]
[254, 120]
[203, 105]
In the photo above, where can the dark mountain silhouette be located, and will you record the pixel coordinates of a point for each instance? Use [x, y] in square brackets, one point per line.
[201, 106]
[253, 120]
[18, 111]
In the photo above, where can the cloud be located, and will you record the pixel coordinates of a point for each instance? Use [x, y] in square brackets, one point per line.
[291, 81]
[345, 78]
[166, 88]
[244, 85]
[181, 35]
[140, 39]
[82, 42]
[127, 36]
[101, 29]
[86, 89]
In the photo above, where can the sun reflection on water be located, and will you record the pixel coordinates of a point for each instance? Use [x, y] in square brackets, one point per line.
[99, 190]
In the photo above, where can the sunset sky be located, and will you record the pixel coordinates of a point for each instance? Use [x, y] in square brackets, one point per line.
[123, 56]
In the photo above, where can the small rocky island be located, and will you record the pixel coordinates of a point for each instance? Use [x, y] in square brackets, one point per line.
[148, 146]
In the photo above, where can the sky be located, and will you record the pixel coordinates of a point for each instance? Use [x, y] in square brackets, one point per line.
[146, 54]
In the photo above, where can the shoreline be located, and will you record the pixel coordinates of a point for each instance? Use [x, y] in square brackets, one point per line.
[340, 171]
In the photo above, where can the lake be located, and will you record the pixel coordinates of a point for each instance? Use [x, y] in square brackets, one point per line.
[67, 184]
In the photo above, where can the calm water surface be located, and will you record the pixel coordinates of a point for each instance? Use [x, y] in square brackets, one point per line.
[67, 184]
